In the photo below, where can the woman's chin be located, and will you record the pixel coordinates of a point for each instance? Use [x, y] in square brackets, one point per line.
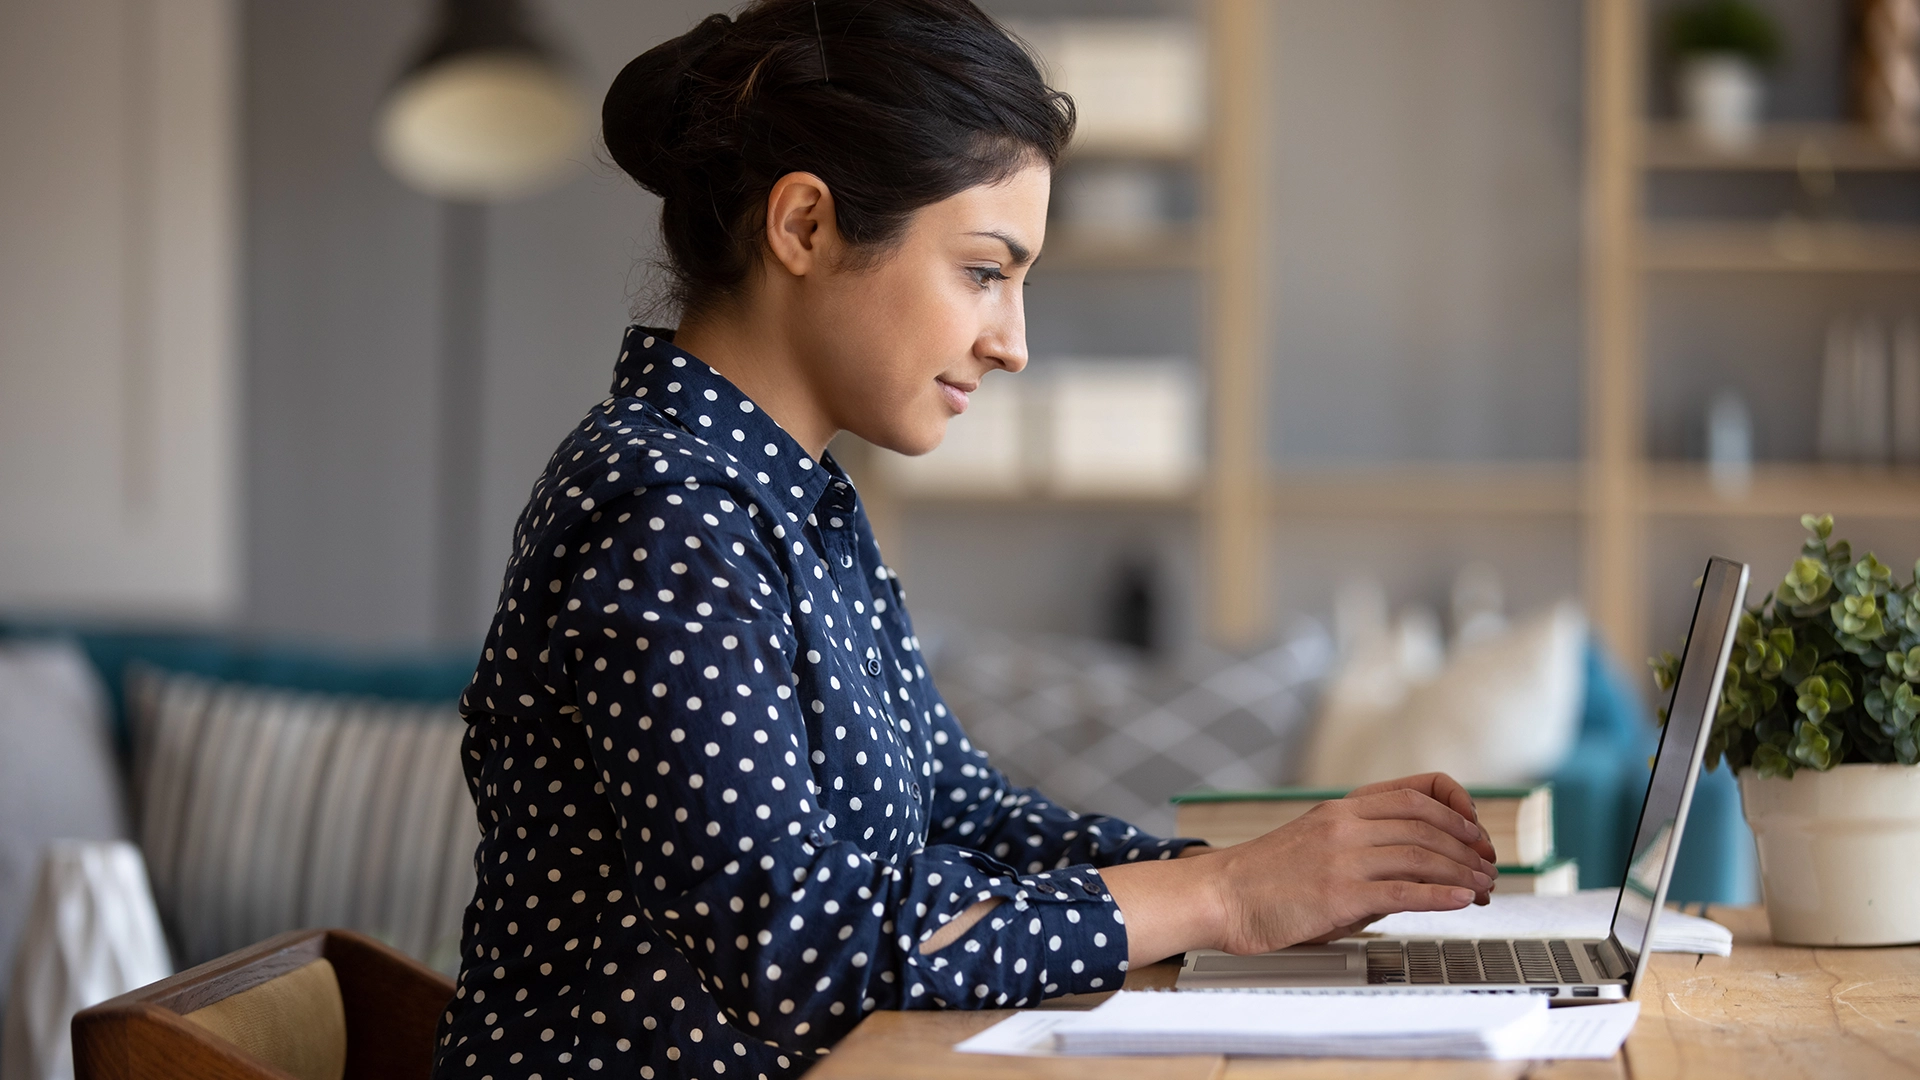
[911, 440]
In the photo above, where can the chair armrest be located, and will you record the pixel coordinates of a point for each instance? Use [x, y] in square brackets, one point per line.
[393, 1005]
[138, 1040]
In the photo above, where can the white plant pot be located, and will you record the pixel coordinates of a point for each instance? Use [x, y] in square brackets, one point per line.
[1721, 94]
[1839, 853]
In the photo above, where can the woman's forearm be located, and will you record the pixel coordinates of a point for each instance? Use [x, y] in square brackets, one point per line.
[1171, 905]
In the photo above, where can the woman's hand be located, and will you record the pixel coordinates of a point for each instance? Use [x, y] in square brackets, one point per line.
[1404, 845]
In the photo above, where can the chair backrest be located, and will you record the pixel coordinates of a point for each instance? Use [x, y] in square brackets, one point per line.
[294, 1022]
[307, 1005]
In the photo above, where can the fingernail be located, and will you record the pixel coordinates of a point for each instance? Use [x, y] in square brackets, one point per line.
[1462, 896]
[1488, 868]
[1483, 880]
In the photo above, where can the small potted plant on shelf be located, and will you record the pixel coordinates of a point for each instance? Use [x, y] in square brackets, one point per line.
[1819, 718]
[1722, 47]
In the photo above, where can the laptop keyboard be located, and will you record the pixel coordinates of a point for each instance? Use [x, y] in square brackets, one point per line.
[1465, 963]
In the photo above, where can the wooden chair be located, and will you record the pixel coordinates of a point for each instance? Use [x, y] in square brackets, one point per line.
[307, 1005]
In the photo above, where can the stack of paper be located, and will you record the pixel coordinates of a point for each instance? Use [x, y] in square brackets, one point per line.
[1409, 1025]
[1333, 1025]
[1585, 914]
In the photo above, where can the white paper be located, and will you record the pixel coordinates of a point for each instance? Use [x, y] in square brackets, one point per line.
[1585, 914]
[1029, 1034]
[1586, 1031]
[1344, 1025]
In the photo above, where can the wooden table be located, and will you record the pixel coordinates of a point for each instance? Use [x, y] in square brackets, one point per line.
[1766, 1011]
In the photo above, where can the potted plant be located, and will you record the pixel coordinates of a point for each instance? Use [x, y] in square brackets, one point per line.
[1722, 46]
[1819, 718]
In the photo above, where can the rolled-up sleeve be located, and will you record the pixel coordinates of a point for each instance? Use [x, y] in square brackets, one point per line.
[686, 694]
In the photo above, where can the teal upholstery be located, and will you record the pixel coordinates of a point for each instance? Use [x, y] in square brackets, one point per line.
[415, 675]
[1598, 791]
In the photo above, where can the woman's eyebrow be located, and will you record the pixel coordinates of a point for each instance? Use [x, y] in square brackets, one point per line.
[1021, 255]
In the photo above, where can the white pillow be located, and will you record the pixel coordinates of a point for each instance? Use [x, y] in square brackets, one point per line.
[91, 934]
[1504, 709]
[59, 776]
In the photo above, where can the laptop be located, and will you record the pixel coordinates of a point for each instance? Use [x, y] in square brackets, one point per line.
[1569, 971]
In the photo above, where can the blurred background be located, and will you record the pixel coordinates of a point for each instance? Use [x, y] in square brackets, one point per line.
[1368, 333]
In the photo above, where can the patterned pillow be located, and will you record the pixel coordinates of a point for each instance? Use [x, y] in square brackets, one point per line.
[1100, 729]
[265, 810]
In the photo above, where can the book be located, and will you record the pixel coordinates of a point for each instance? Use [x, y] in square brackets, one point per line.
[1555, 877]
[1519, 820]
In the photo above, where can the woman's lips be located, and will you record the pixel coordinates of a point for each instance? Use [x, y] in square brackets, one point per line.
[956, 397]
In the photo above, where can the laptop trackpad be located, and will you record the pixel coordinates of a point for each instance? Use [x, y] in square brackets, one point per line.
[1302, 965]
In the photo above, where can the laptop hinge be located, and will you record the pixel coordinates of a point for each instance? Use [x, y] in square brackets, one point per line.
[1613, 959]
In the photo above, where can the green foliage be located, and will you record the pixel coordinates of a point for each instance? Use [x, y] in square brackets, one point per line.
[1824, 671]
[1725, 26]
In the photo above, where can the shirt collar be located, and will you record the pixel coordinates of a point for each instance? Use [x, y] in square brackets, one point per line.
[702, 401]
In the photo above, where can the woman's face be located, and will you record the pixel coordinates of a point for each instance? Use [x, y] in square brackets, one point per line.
[892, 349]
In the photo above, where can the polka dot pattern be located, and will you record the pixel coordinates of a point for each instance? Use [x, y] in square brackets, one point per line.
[721, 803]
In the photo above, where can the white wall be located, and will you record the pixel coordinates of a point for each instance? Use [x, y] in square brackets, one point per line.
[117, 364]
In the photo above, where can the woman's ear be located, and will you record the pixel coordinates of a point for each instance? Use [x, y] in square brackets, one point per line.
[801, 231]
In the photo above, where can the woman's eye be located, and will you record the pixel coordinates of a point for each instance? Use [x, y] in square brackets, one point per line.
[985, 275]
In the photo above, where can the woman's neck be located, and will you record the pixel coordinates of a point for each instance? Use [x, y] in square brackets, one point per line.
[756, 356]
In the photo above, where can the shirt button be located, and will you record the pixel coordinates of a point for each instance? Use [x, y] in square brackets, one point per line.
[1045, 887]
[873, 667]
[916, 791]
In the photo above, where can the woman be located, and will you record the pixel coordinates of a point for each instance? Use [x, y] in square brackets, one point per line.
[725, 815]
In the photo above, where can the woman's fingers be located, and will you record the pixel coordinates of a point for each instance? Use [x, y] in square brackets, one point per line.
[1410, 862]
[1417, 806]
[1438, 841]
[1389, 896]
[1410, 802]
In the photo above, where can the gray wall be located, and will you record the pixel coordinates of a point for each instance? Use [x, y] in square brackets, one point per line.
[1426, 230]
[343, 289]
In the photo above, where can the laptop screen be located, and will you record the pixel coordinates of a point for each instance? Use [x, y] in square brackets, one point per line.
[1696, 695]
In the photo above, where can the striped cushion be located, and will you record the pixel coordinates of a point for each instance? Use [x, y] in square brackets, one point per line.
[265, 810]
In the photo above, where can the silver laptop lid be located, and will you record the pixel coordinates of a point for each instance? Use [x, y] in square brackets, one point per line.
[1696, 696]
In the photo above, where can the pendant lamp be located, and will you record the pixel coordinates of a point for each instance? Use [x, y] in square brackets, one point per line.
[487, 113]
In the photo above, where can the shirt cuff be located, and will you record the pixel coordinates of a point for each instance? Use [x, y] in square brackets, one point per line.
[1144, 848]
[1056, 932]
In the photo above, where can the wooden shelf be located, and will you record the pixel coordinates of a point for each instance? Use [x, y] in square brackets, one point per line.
[1779, 148]
[1544, 489]
[1071, 247]
[1046, 500]
[1782, 490]
[1782, 247]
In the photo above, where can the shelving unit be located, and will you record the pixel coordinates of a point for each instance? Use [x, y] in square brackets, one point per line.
[1782, 247]
[1615, 492]
[1624, 490]
[1780, 147]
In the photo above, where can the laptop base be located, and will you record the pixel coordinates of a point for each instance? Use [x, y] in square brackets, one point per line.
[1569, 971]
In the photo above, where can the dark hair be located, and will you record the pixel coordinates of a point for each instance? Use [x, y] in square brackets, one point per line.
[895, 104]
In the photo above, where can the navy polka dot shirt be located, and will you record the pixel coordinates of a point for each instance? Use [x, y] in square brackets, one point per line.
[721, 804]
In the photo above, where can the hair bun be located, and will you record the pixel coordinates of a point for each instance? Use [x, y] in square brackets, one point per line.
[642, 119]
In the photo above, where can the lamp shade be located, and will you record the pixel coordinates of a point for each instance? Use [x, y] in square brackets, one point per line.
[487, 113]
